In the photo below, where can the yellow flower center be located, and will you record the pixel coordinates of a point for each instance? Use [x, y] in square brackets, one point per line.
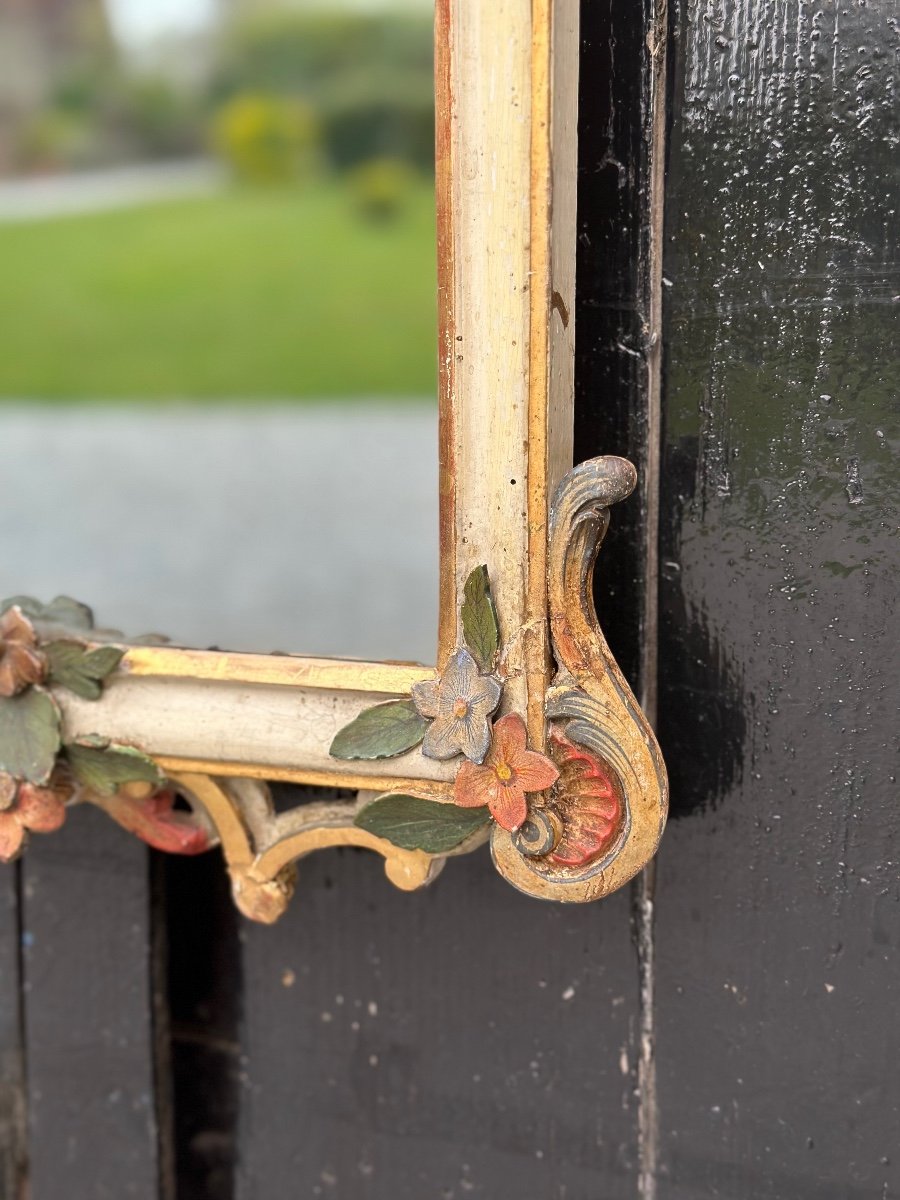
[503, 772]
[460, 708]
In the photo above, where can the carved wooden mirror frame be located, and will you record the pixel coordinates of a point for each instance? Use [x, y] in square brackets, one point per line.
[532, 738]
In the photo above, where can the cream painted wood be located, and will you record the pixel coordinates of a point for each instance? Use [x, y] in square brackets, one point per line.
[233, 724]
[490, 210]
[510, 192]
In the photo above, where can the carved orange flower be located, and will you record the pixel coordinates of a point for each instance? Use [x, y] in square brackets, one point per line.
[21, 663]
[27, 808]
[507, 773]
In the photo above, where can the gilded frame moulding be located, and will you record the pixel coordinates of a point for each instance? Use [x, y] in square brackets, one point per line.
[525, 733]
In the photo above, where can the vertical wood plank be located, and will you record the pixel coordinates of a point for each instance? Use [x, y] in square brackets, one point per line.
[89, 1036]
[462, 1041]
[778, 906]
[618, 334]
[202, 996]
[618, 388]
[12, 1073]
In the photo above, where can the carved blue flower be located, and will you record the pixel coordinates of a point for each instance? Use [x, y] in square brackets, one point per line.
[459, 704]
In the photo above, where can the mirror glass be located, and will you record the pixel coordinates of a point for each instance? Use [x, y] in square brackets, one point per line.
[217, 378]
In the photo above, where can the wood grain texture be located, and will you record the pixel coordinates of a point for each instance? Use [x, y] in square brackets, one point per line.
[391, 1051]
[619, 356]
[13, 1149]
[778, 908]
[89, 1037]
[614, 316]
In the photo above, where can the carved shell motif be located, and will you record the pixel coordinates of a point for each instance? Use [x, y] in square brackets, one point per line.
[571, 825]
[603, 820]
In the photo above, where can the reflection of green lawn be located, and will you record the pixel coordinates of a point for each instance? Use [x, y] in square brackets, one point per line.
[249, 294]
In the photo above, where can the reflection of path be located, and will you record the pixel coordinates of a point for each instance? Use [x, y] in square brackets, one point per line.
[95, 191]
[307, 529]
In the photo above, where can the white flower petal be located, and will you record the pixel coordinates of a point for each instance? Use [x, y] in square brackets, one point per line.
[475, 738]
[426, 696]
[442, 739]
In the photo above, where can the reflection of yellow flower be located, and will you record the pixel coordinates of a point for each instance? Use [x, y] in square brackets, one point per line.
[21, 663]
[27, 808]
[459, 703]
[509, 771]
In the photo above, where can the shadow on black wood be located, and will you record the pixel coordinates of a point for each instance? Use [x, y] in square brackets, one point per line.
[460, 1041]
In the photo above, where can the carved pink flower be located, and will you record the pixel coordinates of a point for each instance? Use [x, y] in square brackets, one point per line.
[21, 663]
[509, 771]
[460, 704]
[27, 809]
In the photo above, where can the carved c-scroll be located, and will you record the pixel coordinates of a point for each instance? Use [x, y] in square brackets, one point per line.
[261, 846]
[602, 822]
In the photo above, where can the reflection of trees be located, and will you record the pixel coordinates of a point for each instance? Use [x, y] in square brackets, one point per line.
[782, 233]
[39, 41]
[780, 385]
[702, 720]
[367, 75]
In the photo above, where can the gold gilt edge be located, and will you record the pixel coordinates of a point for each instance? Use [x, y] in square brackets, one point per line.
[280, 670]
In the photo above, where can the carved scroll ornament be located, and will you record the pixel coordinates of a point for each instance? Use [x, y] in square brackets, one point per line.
[527, 735]
[571, 820]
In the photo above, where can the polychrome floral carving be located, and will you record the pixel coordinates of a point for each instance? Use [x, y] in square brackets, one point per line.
[40, 771]
[150, 814]
[21, 662]
[27, 809]
[510, 771]
[576, 824]
[500, 770]
[460, 704]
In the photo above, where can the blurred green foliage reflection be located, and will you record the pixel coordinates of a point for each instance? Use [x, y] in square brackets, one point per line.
[253, 293]
[306, 270]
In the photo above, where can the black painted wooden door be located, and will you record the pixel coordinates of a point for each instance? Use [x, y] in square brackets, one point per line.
[726, 1028]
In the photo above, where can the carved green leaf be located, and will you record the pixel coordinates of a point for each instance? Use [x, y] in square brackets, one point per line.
[426, 825]
[61, 611]
[104, 766]
[479, 619]
[29, 735]
[80, 670]
[380, 732]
